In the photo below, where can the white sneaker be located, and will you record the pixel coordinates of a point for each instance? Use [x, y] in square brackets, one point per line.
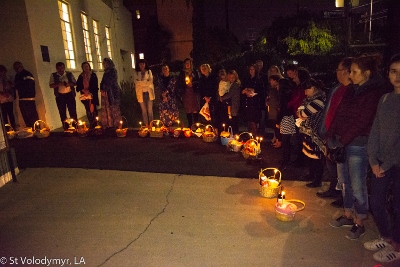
[376, 244]
[386, 255]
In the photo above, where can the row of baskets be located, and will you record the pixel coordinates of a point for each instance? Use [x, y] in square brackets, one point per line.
[40, 129]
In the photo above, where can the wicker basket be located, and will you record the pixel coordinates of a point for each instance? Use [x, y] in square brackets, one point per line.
[187, 132]
[156, 128]
[227, 136]
[209, 135]
[41, 129]
[11, 134]
[251, 149]
[81, 129]
[236, 144]
[270, 185]
[287, 210]
[121, 131]
[198, 129]
[72, 124]
[143, 131]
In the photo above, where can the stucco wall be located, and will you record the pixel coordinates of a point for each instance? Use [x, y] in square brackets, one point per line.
[37, 23]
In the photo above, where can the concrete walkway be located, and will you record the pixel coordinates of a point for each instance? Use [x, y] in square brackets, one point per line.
[117, 218]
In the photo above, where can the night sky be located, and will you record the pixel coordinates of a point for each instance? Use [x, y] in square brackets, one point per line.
[254, 15]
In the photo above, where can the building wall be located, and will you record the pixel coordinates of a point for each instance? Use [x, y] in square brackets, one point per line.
[176, 16]
[34, 23]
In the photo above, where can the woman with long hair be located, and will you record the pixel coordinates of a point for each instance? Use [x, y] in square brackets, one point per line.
[252, 87]
[350, 129]
[168, 108]
[88, 85]
[143, 79]
[110, 95]
[188, 84]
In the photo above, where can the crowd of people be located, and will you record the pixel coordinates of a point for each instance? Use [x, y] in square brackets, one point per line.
[345, 130]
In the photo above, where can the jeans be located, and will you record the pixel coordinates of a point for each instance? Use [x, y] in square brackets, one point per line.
[379, 201]
[147, 109]
[352, 176]
[7, 110]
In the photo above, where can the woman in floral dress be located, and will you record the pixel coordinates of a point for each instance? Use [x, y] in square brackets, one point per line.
[168, 108]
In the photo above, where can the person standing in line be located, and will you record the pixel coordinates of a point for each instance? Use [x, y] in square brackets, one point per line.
[285, 120]
[349, 129]
[384, 158]
[310, 114]
[232, 100]
[25, 85]
[334, 98]
[272, 102]
[208, 87]
[168, 108]
[110, 96]
[262, 124]
[273, 109]
[7, 95]
[298, 76]
[188, 90]
[143, 79]
[252, 87]
[88, 86]
[63, 82]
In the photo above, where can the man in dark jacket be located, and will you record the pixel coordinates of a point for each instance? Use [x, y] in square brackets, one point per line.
[25, 85]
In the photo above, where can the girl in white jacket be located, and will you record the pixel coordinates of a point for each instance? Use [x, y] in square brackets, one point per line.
[143, 79]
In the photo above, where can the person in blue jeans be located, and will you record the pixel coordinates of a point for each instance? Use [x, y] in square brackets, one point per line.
[350, 129]
[384, 157]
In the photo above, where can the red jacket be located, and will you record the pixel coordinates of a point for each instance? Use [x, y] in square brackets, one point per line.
[356, 112]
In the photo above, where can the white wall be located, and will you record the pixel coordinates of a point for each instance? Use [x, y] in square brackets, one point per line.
[34, 23]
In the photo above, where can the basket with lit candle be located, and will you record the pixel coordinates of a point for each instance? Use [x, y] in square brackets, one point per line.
[177, 131]
[226, 136]
[10, 131]
[269, 182]
[236, 144]
[143, 130]
[41, 129]
[156, 128]
[251, 148]
[209, 134]
[285, 210]
[198, 129]
[97, 130]
[81, 129]
[121, 130]
[72, 124]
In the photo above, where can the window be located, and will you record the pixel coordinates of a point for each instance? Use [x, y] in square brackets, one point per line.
[88, 48]
[108, 39]
[67, 34]
[97, 44]
[133, 60]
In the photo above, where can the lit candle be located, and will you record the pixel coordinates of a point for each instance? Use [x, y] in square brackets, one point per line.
[223, 125]
[120, 124]
[187, 79]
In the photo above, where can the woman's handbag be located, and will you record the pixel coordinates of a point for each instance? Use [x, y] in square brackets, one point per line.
[337, 154]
